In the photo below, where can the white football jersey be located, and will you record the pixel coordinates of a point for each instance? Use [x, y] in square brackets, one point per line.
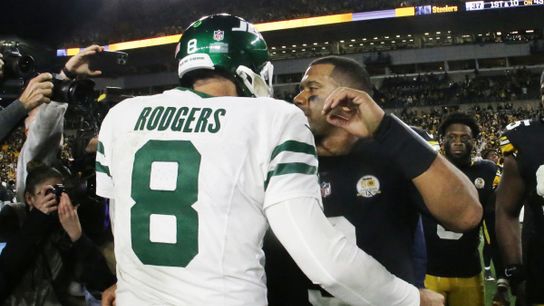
[190, 177]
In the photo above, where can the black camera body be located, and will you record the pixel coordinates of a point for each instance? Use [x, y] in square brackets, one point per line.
[73, 91]
[16, 63]
[57, 190]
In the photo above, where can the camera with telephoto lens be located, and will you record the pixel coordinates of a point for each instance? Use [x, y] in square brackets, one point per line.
[57, 190]
[73, 91]
[16, 63]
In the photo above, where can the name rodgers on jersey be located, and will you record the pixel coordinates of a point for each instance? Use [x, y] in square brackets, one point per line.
[182, 119]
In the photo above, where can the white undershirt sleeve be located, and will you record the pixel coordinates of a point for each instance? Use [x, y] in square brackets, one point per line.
[330, 260]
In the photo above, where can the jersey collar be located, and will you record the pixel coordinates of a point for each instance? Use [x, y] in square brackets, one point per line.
[196, 92]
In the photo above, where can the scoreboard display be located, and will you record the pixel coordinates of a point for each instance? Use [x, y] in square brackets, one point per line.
[487, 5]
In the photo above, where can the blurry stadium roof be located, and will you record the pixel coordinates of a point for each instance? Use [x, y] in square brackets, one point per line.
[498, 15]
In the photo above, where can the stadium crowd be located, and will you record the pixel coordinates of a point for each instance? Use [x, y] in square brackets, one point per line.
[438, 89]
[163, 19]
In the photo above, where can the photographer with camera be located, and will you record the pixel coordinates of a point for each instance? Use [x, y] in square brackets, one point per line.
[46, 129]
[37, 92]
[46, 249]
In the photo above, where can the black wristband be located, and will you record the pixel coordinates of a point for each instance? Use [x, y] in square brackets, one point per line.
[515, 275]
[412, 154]
[68, 73]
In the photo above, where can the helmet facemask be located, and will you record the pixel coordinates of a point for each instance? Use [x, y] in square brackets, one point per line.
[258, 85]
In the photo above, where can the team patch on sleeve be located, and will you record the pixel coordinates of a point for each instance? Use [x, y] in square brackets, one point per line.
[507, 147]
[292, 157]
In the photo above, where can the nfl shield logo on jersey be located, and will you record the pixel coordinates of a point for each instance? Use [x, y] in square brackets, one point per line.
[325, 189]
[218, 35]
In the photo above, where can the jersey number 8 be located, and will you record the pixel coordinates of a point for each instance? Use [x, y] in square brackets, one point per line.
[173, 202]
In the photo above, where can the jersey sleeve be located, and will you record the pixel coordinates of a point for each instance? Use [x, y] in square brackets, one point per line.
[333, 261]
[498, 176]
[513, 136]
[104, 182]
[507, 148]
[292, 165]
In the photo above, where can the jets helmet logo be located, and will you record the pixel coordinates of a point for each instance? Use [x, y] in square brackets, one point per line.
[368, 186]
[218, 35]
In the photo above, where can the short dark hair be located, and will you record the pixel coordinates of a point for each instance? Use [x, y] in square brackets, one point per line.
[461, 118]
[191, 77]
[37, 174]
[354, 74]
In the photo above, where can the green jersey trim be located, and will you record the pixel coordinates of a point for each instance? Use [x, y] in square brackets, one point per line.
[196, 92]
[290, 168]
[294, 146]
[100, 148]
[101, 168]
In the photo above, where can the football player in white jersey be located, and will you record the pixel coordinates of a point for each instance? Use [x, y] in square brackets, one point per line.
[196, 174]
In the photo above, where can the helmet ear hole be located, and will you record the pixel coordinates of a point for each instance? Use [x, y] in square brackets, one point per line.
[249, 78]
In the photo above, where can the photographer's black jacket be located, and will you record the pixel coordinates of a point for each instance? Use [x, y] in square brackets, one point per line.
[10, 116]
[39, 260]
